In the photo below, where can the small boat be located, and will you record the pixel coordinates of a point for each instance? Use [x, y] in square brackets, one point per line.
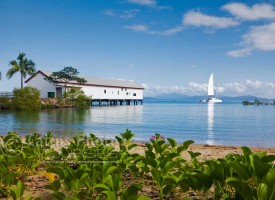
[212, 98]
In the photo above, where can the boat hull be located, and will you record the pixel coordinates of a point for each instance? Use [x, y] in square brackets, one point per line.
[214, 100]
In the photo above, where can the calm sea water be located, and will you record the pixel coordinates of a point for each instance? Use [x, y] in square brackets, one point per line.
[219, 124]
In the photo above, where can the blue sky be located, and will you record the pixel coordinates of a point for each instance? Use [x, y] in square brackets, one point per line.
[167, 46]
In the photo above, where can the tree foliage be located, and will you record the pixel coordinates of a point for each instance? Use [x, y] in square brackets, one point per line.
[27, 98]
[23, 65]
[66, 75]
[77, 98]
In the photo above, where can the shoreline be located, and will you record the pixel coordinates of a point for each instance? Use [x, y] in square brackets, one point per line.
[207, 151]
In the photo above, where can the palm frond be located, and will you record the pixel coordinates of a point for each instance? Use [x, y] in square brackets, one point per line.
[21, 57]
[11, 72]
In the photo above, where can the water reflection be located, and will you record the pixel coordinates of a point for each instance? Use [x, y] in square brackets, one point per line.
[210, 127]
[65, 122]
[117, 115]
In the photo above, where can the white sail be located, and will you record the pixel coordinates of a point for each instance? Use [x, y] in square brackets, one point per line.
[211, 85]
[211, 93]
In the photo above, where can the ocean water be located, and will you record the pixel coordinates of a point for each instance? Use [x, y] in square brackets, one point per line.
[227, 123]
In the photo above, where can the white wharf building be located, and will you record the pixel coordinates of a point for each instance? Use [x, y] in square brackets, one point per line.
[101, 90]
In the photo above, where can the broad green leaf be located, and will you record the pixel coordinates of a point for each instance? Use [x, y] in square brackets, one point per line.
[168, 167]
[59, 195]
[246, 152]
[201, 181]
[143, 198]
[240, 169]
[56, 185]
[270, 178]
[181, 149]
[187, 143]
[150, 162]
[13, 193]
[261, 170]
[155, 173]
[150, 154]
[116, 182]
[194, 154]
[164, 147]
[111, 170]
[170, 180]
[149, 146]
[20, 187]
[241, 187]
[167, 189]
[172, 142]
[131, 146]
[110, 195]
[262, 191]
[268, 159]
[119, 139]
[130, 191]
[184, 185]
[101, 187]
[164, 161]
[57, 171]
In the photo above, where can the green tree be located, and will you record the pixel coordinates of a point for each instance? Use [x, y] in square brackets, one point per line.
[78, 98]
[66, 75]
[23, 65]
[27, 98]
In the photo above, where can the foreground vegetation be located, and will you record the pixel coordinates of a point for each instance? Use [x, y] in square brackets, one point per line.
[92, 168]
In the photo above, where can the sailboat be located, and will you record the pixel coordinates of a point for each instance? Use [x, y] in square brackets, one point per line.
[212, 98]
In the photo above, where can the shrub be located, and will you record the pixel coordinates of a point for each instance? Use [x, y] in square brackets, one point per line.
[27, 99]
[77, 98]
[5, 103]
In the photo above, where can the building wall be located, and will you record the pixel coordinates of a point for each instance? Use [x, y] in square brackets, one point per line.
[41, 84]
[98, 92]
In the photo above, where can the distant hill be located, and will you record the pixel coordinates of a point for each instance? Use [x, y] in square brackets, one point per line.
[176, 96]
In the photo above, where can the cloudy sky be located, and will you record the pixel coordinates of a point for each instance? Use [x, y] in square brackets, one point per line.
[167, 46]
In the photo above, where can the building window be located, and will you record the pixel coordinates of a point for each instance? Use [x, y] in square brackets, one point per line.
[104, 91]
[134, 94]
[125, 89]
[117, 92]
[127, 93]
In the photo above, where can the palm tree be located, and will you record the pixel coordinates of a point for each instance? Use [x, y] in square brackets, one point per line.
[24, 66]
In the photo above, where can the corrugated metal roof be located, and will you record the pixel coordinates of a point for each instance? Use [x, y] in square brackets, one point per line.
[111, 82]
[102, 81]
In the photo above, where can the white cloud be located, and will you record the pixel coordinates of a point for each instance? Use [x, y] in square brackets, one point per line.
[198, 19]
[259, 38]
[150, 3]
[145, 29]
[240, 52]
[138, 28]
[255, 12]
[168, 32]
[248, 87]
[109, 13]
[197, 88]
[127, 14]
